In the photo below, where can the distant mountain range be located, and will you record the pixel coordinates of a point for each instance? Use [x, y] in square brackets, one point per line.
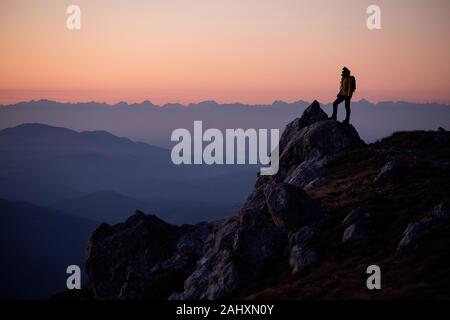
[153, 124]
[105, 178]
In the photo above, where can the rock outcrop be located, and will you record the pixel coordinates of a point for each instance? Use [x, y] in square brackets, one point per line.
[415, 231]
[144, 257]
[274, 210]
[311, 213]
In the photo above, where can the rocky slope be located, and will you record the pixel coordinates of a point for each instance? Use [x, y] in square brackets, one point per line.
[335, 207]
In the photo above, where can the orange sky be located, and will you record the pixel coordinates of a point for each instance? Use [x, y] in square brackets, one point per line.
[251, 51]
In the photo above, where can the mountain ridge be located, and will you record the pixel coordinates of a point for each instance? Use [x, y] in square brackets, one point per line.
[207, 102]
[336, 206]
[154, 125]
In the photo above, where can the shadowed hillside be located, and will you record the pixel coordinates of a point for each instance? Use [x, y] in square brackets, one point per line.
[71, 170]
[37, 245]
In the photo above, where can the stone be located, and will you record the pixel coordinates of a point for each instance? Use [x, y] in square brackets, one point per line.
[354, 232]
[290, 207]
[391, 171]
[357, 215]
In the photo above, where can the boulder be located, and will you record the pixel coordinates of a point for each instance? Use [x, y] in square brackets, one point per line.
[238, 249]
[313, 137]
[354, 232]
[312, 114]
[144, 257]
[441, 211]
[302, 258]
[290, 207]
[258, 240]
[308, 173]
[303, 236]
[214, 275]
[358, 215]
[415, 231]
[391, 171]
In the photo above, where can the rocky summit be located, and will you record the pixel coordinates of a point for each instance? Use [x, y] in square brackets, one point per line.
[335, 207]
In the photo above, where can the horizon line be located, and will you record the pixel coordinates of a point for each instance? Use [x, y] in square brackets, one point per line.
[213, 101]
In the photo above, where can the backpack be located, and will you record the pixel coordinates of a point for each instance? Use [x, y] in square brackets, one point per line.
[352, 84]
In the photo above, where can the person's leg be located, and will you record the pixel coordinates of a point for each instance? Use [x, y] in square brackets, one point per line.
[335, 106]
[347, 110]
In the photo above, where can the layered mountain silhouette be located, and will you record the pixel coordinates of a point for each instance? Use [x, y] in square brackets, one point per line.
[154, 124]
[60, 184]
[106, 178]
[336, 206]
[37, 244]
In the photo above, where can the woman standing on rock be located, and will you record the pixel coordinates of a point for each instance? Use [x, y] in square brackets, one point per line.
[348, 86]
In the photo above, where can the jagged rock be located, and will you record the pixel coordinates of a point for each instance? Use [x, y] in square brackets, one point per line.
[313, 137]
[441, 211]
[144, 257]
[357, 225]
[440, 218]
[310, 138]
[326, 137]
[302, 258]
[257, 239]
[316, 183]
[290, 207]
[318, 140]
[354, 232]
[215, 275]
[391, 171]
[237, 249]
[309, 173]
[311, 115]
[303, 236]
[358, 215]
[415, 231]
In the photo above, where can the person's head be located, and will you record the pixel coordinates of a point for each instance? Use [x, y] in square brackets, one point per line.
[345, 72]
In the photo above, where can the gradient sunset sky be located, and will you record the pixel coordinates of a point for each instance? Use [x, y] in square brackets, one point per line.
[251, 51]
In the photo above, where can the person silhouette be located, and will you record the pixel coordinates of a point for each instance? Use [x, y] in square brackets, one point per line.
[348, 86]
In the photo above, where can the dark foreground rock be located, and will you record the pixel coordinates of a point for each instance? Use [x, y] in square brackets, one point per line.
[144, 257]
[335, 207]
[415, 231]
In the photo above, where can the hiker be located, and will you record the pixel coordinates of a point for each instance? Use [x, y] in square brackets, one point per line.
[348, 86]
